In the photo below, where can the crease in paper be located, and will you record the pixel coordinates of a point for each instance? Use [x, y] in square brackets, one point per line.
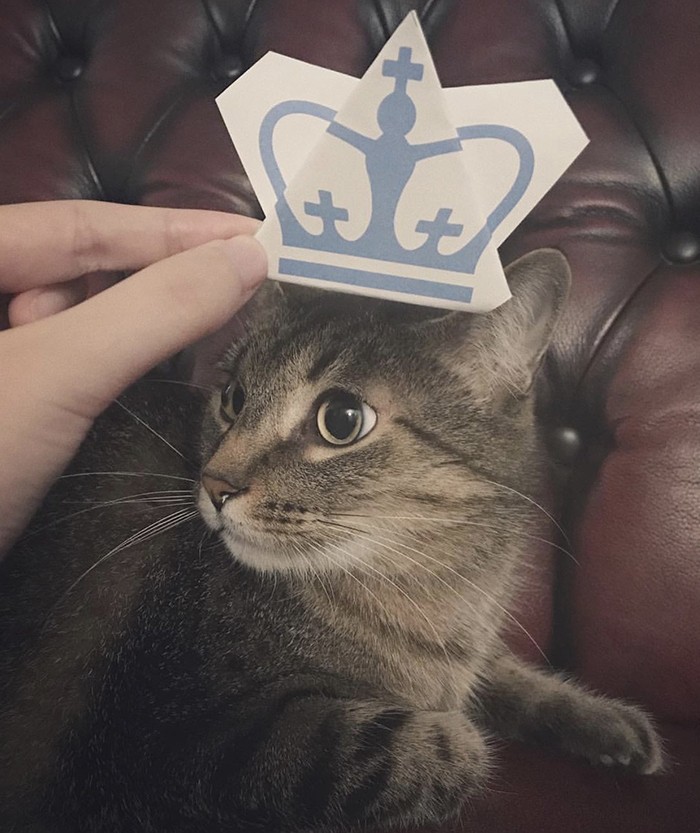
[391, 186]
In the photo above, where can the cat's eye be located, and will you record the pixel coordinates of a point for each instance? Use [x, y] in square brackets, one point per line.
[232, 400]
[343, 418]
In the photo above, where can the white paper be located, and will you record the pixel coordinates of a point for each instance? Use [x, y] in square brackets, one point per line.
[390, 186]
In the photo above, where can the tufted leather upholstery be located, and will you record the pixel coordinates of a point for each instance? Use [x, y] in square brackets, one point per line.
[113, 99]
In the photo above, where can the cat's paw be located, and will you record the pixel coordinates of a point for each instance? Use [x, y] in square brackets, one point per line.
[438, 763]
[612, 734]
[631, 742]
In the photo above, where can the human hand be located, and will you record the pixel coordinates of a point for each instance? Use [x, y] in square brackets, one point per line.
[67, 362]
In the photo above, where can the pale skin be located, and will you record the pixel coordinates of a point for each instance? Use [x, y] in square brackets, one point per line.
[64, 358]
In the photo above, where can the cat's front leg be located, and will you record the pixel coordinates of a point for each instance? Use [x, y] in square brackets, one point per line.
[330, 764]
[524, 703]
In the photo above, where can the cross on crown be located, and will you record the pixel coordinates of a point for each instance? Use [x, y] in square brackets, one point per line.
[403, 69]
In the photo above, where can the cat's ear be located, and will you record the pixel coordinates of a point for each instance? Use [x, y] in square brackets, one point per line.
[502, 349]
[539, 283]
[266, 304]
[275, 298]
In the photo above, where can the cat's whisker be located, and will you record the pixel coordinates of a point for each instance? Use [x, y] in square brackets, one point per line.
[511, 390]
[150, 428]
[520, 534]
[126, 474]
[208, 389]
[511, 490]
[273, 592]
[532, 501]
[205, 534]
[374, 539]
[142, 501]
[145, 534]
[408, 598]
[299, 552]
[565, 552]
[328, 587]
[358, 535]
[458, 522]
[324, 553]
[179, 498]
[145, 500]
[374, 536]
[151, 531]
[356, 559]
[381, 540]
[157, 494]
[439, 642]
[216, 543]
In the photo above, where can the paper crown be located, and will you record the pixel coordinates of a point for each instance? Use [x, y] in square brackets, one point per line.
[391, 186]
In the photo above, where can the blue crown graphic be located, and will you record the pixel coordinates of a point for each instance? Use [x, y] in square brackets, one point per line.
[390, 160]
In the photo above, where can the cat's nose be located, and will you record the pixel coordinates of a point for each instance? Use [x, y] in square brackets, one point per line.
[220, 490]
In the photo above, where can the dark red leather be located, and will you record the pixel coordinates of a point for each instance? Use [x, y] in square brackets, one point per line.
[114, 100]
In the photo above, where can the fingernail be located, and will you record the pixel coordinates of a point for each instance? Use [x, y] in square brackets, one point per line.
[250, 260]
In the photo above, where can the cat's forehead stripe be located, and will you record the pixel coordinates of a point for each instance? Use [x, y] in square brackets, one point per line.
[433, 440]
[321, 363]
[295, 409]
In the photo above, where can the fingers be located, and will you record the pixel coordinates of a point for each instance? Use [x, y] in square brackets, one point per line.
[88, 354]
[53, 242]
[69, 366]
[35, 304]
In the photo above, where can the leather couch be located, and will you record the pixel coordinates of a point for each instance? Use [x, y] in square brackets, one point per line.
[114, 99]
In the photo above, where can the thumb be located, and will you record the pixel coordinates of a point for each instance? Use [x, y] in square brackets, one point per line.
[63, 370]
[101, 346]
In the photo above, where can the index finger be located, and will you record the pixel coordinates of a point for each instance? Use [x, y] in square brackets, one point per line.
[51, 242]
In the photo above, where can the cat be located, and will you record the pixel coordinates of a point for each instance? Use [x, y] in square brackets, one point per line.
[303, 630]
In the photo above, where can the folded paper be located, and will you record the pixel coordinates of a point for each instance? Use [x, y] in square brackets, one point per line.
[391, 186]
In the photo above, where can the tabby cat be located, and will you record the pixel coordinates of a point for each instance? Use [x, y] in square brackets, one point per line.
[313, 642]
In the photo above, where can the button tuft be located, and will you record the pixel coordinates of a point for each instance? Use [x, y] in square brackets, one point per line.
[69, 68]
[565, 444]
[584, 72]
[228, 68]
[682, 247]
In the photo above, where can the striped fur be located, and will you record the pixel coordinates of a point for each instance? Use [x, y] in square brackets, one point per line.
[324, 653]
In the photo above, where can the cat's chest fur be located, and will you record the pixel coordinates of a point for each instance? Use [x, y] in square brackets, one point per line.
[258, 628]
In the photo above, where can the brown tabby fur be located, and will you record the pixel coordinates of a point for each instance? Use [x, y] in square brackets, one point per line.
[327, 656]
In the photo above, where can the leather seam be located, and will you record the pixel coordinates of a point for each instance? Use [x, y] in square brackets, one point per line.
[75, 117]
[565, 27]
[148, 137]
[610, 15]
[94, 175]
[608, 330]
[217, 32]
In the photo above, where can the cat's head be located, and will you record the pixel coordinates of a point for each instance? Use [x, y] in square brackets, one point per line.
[348, 432]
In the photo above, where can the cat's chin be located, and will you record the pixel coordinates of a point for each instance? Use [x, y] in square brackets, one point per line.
[266, 558]
[266, 554]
